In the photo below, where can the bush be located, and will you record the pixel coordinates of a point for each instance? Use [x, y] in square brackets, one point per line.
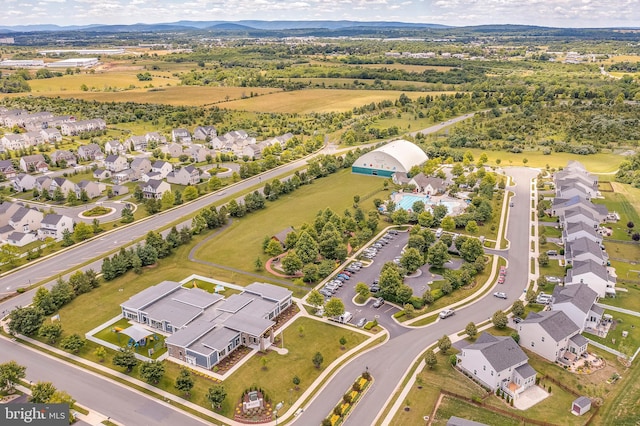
[417, 302]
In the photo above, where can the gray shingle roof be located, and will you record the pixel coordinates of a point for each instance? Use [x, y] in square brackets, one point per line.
[556, 323]
[51, 219]
[268, 291]
[575, 227]
[579, 340]
[216, 339]
[582, 402]
[579, 295]
[578, 210]
[151, 294]
[459, 421]
[501, 352]
[235, 302]
[583, 267]
[525, 370]
[176, 313]
[583, 245]
[248, 323]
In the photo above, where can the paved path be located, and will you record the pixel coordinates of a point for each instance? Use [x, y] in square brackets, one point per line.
[617, 309]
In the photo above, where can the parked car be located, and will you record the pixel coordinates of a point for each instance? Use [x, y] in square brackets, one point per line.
[551, 279]
[517, 320]
[446, 313]
[393, 232]
[325, 292]
[374, 288]
[357, 264]
[345, 272]
[500, 295]
[362, 322]
[379, 302]
[344, 277]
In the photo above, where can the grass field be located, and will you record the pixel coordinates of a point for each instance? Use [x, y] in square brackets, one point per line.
[240, 244]
[317, 100]
[455, 407]
[614, 339]
[98, 82]
[174, 95]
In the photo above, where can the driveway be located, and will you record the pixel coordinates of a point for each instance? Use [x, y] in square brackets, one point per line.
[530, 397]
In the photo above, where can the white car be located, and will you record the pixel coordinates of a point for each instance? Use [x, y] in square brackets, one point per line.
[500, 295]
[446, 313]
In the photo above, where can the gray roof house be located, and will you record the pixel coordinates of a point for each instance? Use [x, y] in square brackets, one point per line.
[552, 335]
[498, 363]
[594, 274]
[180, 136]
[140, 165]
[205, 327]
[23, 182]
[428, 185]
[578, 302]
[459, 421]
[92, 189]
[188, 175]
[576, 230]
[115, 163]
[65, 156]
[559, 205]
[582, 249]
[579, 214]
[90, 152]
[33, 163]
[7, 169]
[154, 188]
[53, 225]
[203, 132]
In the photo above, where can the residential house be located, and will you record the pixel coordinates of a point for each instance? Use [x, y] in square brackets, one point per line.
[252, 151]
[188, 175]
[115, 163]
[7, 169]
[198, 153]
[552, 335]
[577, 230]
[567, 183]
[281, 236]
[400, 178]
[578, 302]
[560, 205]
[582, 249]
[53, 226]
[428, 185]
[203, 132]
[124, 176]
[114, 147]
[497, 362]
[23, 182]
[90, 152]
[12, 141]
[205, 328]
[91, 188]
[569, 191]
[140, 165]
[180, 136]
[155, 188]
[32, 139]
[75, 128]
[63, 158]
[579, 215]
[101, 174]
[51, 135]
[25, 219]
[21, 239]
[594, 274]
[119, 190]
[137, 143]
[155, 137]
[33, 163]
[173, 150]
[575, 170]
[146, 177]
[42, 184]
[65, 185]
[162, 167]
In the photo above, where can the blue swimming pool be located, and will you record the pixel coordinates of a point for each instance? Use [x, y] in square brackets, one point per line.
[407, 200]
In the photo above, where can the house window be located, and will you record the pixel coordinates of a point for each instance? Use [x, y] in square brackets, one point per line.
[532, 344]
[484, 368]
[492, 372]
[475, 372]
[543, 338]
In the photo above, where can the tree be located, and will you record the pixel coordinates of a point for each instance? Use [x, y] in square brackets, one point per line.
[306, 247]
[448, 224]
[426, 219]
[310, 272]
[10, 374]
[499, 320]
[62, 397]
[184, 382]
[9, 254]
[51, 332]
[42, 392]
[444, 344]
[362, 289]
[334, 307]
[273, 248]
[125, 358]
[190, 193]
[399, 217]
[518, 308]
[315, 299]
[44, 301]
[543, 259]
[530, 295]
[291, 263]
[430, 359]
[127, 215]
[471, 330]
[72, 343]
[25, 321]
[216, 396]
[67, 238]
[472, 227]
[72, 199]
[411, 260]
[390, 281]
[62, 293]
[101, 353]
[403, 294]
[317, 360]
[152, 371]
[82, 231]
[471, 250]
[438, 255]
[167, 200]
[95, 225]
[296, 381]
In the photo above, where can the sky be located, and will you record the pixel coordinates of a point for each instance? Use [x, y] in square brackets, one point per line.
[553, 13]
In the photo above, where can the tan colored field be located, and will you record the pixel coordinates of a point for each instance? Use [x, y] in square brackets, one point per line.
[318, 100]
[622, 58]
[99, 81]
[174, 95]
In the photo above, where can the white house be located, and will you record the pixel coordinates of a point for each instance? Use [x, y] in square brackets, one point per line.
[115, 163]
[575, 170]
[7, 169]
[21, 239]
[91, 188]
[578, 302]
[594, 274]
[155, 188]
[51, 135]
[204, 132]
[11, 141]
[23, 182]
[577, 230]
[188, 175]
[568, 183]
[140, 165]
[579, 215]
[498, 363]
[180, 136]
[114, 147]
[24, 219]
[65, 186]
[162, 167]
[583, 249]
[53, 225]
[33, 163]
[90, 152]
[428, 185]
[560, 205]
[552, 335]
[571, 190]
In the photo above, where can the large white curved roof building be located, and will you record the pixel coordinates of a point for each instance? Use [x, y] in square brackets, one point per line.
[396, 156]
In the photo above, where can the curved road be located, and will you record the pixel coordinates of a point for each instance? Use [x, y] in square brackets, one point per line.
[388, 363]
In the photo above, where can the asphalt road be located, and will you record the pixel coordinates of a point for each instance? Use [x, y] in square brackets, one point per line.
[389, 362]
[122, 404]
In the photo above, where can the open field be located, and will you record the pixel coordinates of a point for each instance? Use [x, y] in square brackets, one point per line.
[619, 202]
[596, 163]
[317, 100]
[98, 81]
[239, 245]
[174, 95]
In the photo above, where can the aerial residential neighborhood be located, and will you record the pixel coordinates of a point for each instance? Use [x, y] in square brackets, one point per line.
[391, 213]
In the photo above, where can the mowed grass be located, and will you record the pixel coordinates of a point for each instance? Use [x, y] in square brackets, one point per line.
[317, 100]
[174, 95]
[240, 244]
[614, 339]
[596, 163]
[623, 200]
[456, 407]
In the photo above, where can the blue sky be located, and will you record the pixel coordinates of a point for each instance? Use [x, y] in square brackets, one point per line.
[558, 13]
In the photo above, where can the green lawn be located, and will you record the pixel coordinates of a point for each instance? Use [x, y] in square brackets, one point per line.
[549, 232]
[455, 407]
[629, 299]
[112, 335]
[241, 244]
[614, 339]
[618, 202]
[211, 287]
